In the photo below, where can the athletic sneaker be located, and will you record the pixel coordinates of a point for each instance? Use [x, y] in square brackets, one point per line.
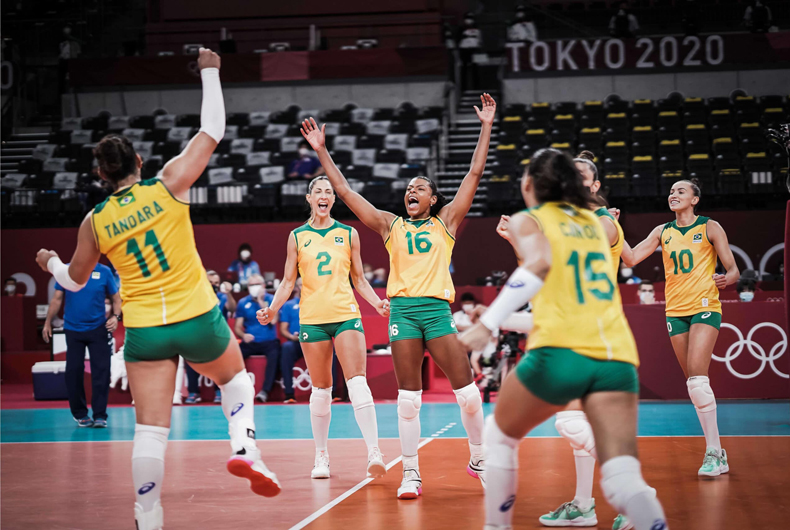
[477, 470]
[376, 467]
[621, 522]
[336, 399]
[193, 398]
[151, 520]
[321, 466]
[290, 400]
[101, 423]
[217, 396]
[714, 464]
[570, 514]
[262, 396]
[247, 463]
[411, 485]
[84, 422]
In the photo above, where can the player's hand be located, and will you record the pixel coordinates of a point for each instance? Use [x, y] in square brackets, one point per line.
[383, 308]
[46, 333]
[265, 315]
[112, 324]
[225, 287]
[503, 227]
[476, 337]
[208, 59]
[314, 136]
[615, 213]
[488, 111]
[720, 280]
[43, 256]
[248, 338]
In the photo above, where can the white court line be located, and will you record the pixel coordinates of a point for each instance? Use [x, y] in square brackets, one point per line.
[337, 500]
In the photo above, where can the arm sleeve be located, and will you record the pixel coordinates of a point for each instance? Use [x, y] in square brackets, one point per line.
[212, 110]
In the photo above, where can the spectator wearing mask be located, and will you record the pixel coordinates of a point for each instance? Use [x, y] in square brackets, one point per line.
[257, 339]
[292, 350]
[758, 17]
[244, 266]
[646, 293]
[305, 166]
[86, 325]
[627, 275]
[746, 288]
[375, 277]
[10, 288]
[226, 304]
[523, 28]
[469, 314]
[623, 25]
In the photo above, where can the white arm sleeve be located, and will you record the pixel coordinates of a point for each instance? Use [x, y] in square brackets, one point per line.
[61, 273]
[521, 287]
[212, 110]
[520, 321]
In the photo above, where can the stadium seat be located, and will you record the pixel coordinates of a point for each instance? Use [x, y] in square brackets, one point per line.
[759, 173]
[643, 141]
[699, 166]
[512, 124]
[590, 139]
[616, 184]
[696, 139]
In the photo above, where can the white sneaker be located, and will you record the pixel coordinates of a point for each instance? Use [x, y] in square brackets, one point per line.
[247, 464]
[411, 485]
[476, 469]
[177, 398]
[151, 520]
[376, 467]
[321, 466]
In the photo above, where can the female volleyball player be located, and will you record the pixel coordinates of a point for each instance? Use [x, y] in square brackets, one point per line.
[690, 245]
[325, 253]
[420, 290]
[568, 274]
[169, 306]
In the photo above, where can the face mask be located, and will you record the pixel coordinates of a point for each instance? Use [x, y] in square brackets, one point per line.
[215, 287]
[369, 276]
[626, 272]
[746, 296]
[10, 289]
[468, 308]
[303, 152]
[647, 297]
[245, 254]
[107, 308]
[255, 290]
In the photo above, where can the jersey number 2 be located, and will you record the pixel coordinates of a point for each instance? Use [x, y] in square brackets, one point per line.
[150, 240]
[325, 259]
[590, 276]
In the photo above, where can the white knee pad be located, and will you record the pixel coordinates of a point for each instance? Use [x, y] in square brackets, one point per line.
[149, 441]
[621, 480]
[320, 401]
[359, 392]
[469, 398]
[701, 393]
[409, 403]
[499, 449]
[574, 427]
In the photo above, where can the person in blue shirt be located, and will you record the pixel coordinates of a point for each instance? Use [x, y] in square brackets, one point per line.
[305, 166]
[226, 304]
[291, 349]
[86, 325]
[244, 266]
[257, 339]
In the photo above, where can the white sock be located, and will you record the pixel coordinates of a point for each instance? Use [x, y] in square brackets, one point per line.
[585, 472]
[501, 453]
[471, 405]
[705, 403]
[364, 409]
[626, 491]
[148, 464]
[409, 403]
[238, 396]
[320, 415]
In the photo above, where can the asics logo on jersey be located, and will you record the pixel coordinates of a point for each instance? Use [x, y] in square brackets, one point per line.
[508, 504]
[148, 486]
[668, 240]
[237, 408]
[705, 315]
[308, 243]
[515, 284]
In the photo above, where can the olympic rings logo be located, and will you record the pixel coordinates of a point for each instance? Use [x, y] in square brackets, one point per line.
[755, 349]
[301, 379]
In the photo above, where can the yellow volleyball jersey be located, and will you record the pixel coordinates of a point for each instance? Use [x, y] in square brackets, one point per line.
[689, 265]
[147, 235]
[324, 261]
[617, 248]
[579, 306]
[420, 254]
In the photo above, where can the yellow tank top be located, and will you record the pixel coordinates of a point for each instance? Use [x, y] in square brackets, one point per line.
[420, 254]
[617, 248]
[324, 261]
[579, 306]
[689, 265]
[147, 235]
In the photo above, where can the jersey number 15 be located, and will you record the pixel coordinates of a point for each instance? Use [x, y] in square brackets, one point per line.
[590, 276]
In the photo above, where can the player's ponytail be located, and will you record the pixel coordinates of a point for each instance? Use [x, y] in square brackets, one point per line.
[116, 157]
[441, 200]
[556, 179]
[588, 158]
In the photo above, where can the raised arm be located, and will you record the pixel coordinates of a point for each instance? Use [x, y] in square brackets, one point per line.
[267, 314]
[76, 274]
[375, 219]
[361, 283]
[455, 211]
[182, 171]
[718, 237]
[637, 254]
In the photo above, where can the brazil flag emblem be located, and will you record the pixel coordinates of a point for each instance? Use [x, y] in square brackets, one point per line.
[126, 200]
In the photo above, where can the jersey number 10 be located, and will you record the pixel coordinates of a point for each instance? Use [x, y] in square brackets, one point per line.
[678, 260]
[590, 276]
[150, 240]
